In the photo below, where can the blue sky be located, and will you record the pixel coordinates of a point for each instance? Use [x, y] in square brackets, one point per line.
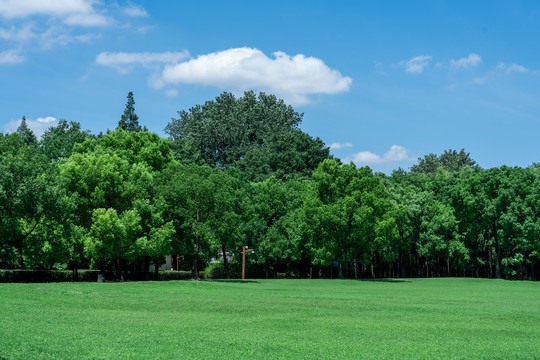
[383, 82]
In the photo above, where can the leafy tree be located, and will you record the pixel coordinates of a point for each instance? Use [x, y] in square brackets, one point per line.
[120, 171]
[204, 204]
[290, 155]
[450, 160]
[135, 147]
[58, 141]
[129, 120]
[113, 237]
[28, 193]
[347, 210]
[275, 224]
[224, 130]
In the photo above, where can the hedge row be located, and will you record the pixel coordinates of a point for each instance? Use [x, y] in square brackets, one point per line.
[41, 276]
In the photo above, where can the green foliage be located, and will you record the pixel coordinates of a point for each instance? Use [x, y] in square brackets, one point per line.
[450, 160]
[29, 195]
[41, 276]
[290, 155]
[204, 205]
[58, 141]
[347, 212]
[25, 133]
[112, 237]
[129, 121]
[246, 175]
[215, 271]
[257, 134]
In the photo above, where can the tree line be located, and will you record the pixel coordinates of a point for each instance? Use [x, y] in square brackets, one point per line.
[239, 172]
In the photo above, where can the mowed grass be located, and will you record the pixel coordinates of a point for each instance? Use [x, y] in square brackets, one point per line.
[272, 319]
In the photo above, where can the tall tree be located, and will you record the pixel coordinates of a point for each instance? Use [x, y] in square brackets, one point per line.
[225, 129]
[129, 120]
[25, 133]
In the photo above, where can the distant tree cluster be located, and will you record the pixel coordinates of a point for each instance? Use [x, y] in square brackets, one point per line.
[239, 171]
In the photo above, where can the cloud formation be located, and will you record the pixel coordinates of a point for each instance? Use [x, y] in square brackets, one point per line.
[14, 34]
[71, 12]
[292, 77]
[12, 56]
[38, 126]
[396, 153]
[336, 146]
[145, 58]
[509, 68]
[470, 61]
[135, 11]
[416, 64]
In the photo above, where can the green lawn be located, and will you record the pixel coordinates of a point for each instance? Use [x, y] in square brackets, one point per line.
[272, 319]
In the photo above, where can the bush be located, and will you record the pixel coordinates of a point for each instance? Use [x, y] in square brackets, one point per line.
[174, 275]
[40, 276]
[215, 271]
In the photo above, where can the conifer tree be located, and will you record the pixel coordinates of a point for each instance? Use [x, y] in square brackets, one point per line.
[129, 120]
[25, 133]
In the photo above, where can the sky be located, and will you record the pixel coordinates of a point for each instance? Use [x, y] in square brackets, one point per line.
[380, 82]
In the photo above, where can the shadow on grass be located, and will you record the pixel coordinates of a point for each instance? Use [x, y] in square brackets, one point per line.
[233, 281]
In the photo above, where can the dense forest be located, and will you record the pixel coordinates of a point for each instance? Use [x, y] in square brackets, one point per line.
[238, 171]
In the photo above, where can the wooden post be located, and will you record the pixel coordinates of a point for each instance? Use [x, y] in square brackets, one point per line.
[244, 250]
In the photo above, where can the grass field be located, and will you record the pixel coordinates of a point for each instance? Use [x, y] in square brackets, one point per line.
[271, 319]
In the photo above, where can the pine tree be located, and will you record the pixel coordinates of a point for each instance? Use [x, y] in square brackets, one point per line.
[25, 133]
[129, 120]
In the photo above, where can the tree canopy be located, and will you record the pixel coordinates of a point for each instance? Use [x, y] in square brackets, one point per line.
[240, 172]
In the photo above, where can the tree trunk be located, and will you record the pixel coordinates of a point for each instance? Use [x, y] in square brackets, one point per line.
[225, 261]
[146, 267]
[195, 268]
[497, 251]
[119, 270]
[156, 270]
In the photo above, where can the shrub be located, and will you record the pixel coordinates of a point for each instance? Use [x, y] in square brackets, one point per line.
[215, 271]
[40, 276]
[174, 275]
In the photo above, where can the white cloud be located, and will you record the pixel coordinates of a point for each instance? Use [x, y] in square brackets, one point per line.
[291, 77]
[38, 126]
[480, 80]
[171, 92]
[336, 146]
[13, 34]
[396, 153]
[145, 58]
[123, 61]
[72, 12]
[12, 56]
[509, 68]
[470, 61]
[135, 11]
[416, 64]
